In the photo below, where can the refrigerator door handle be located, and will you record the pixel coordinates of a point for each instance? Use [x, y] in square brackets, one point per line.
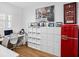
[72, 38]
[64, 37]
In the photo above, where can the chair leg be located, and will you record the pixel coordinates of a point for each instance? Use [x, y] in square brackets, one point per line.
[14, 47]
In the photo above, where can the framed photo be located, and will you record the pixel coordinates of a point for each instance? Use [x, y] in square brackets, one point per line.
[42, 24]
[58, 24]
[33, 24]
[50, 24]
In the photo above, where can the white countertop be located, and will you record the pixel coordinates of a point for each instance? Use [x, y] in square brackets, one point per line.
[5, 52]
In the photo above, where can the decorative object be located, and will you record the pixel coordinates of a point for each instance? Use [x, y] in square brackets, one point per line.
[33, 24]
[42, 24]
[70, 13]
[45, 13]
[50, 24]
[58, 24]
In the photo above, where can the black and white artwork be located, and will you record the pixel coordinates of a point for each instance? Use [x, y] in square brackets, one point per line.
[45, 13]
[58, 24]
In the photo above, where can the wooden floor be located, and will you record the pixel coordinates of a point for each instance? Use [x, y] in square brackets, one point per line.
[29, 52]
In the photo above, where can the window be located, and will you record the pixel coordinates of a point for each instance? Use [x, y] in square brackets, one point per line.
[9, 21]
[5, 23]
[2, 24]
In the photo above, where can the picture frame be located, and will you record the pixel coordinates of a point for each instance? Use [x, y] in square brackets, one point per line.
[51, 24]
[58, 24]
[45, 12]
[70, 16]
[33, 24]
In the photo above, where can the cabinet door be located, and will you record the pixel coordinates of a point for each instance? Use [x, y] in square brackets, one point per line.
[38, 30]
[57, 41]
[50, 37]
[44, 39]
[50, 50]
[57, 45]
[30, 44]
[50, 30]
[30, 29]
[43, 42]
[34, 30]
[50, 40]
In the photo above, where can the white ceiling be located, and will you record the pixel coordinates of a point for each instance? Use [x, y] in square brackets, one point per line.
[26, 4]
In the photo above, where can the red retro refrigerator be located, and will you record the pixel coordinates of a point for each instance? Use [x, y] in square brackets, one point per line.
[69, 40]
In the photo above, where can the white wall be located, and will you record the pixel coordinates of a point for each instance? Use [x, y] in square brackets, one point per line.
[29, 12]
[7, 9]
[78, 13]
[21, 18]
[29, 16]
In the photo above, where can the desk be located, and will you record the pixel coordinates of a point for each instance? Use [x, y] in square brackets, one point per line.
[24, 38]
[5, 52]
[23, 35]
[20, 35]
[1, 39]
[17, 38]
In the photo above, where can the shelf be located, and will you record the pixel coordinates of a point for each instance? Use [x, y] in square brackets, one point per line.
[33, 33]
[34, 42]
[34, 38]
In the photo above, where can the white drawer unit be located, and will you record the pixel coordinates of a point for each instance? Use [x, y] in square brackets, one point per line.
[46, 39]
[29, 44]
[34, 38]
[50, 30]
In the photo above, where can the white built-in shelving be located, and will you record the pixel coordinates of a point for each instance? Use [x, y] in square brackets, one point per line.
[46, 39]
